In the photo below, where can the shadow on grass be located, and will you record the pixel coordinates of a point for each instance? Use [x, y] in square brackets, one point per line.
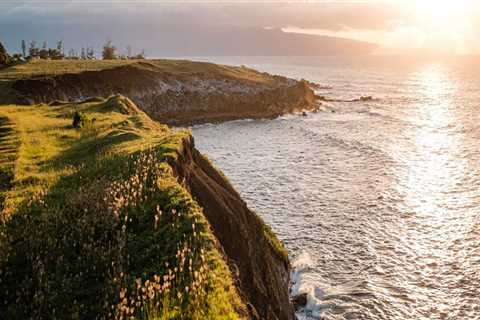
[8, 153]
[90, 145]
[64, 253]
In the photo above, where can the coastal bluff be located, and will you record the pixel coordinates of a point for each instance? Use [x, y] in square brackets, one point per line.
[122, 217]
[175, 92]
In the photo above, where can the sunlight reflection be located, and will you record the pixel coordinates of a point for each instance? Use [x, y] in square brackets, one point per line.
[432, 175]
[431, 172]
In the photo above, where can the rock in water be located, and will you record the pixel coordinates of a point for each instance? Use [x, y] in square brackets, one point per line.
[366, 98]
[299, 301]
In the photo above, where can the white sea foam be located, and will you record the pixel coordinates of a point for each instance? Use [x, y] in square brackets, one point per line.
[315, 307]
[287, 116]
[301, 265]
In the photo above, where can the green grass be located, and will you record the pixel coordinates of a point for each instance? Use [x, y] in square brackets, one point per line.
[182, 69]
[95, 225]
[174, 67]
[276, 244]
[57, 67]
[8, 155]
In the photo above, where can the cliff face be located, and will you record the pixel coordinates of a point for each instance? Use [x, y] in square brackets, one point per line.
[255, 257]
[125, 218]
[195, 95]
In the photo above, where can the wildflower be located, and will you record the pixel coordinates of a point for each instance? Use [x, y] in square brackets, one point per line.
[122, 293]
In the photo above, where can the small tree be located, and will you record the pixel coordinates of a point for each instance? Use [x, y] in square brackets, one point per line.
[109, 51]
[15, 58]
[55, 54]
[4, 57]
[81, 120]
[72, 54]
[60, 47]
[43, 53]
[90, 53]
[24, 49]
[33, 50]
[77, 121]
[140, 56]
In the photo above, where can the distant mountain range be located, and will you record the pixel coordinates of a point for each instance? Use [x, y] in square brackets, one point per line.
[255, 42]
[187, 40]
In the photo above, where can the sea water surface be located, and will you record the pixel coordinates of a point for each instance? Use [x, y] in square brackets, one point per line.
[378, 202]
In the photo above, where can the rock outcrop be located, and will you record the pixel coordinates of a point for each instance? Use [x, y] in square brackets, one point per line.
[200, 93]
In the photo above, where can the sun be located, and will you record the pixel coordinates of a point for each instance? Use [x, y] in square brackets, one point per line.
[442, 13]
[443, 25]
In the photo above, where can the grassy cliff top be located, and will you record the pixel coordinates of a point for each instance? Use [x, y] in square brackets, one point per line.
[173, 70]
[175, 67]
[95, 224]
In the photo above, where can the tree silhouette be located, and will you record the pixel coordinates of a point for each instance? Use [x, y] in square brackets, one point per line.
[43, 53]
[109, 51]
[4, 57]
[24, 49]
[33, 50]
[90, 53]
[60, 47]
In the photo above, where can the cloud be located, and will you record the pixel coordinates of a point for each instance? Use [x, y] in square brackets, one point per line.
[326, 15]
[388, 22]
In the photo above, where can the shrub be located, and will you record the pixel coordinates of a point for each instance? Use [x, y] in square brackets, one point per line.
[81, 120]
[109, 51]
[4, 57]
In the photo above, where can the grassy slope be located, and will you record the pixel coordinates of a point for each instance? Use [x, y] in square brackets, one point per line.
[8, 154]
[94, 223]
[56, 67]
[174, 67]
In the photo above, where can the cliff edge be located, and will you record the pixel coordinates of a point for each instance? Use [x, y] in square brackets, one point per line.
[174, 92]
[256, 256]
[119, 217]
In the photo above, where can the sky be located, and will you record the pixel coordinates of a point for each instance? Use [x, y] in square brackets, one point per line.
[396, 26]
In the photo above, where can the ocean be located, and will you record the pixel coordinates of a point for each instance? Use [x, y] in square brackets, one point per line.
[377, 202]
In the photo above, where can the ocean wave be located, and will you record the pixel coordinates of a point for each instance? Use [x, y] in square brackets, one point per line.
[315, 307]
